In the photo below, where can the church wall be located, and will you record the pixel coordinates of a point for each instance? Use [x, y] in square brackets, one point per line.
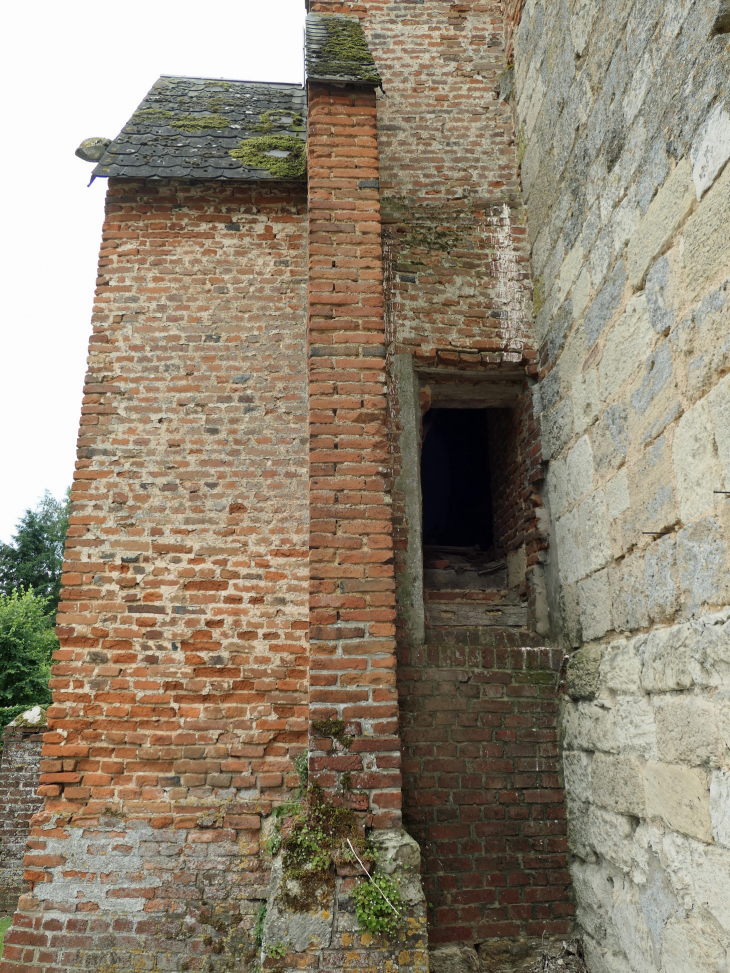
[623, 124]
[180, 687]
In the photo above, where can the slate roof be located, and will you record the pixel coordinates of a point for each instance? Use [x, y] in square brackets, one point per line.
[187, 128]
[336, 50]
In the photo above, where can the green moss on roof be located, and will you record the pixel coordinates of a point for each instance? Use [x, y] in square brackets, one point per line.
[279, 119]
[256, 153]
[186, 123]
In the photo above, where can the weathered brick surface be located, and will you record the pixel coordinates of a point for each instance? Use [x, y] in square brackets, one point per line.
[180, 684]
[482, 784]
[19, 763]
[352, 602]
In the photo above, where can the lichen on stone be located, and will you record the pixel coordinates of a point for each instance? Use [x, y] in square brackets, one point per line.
[257, 153]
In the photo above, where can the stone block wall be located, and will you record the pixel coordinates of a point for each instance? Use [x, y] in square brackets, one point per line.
[19, 768]
[482, 785]
[623, 118]
[180, 687]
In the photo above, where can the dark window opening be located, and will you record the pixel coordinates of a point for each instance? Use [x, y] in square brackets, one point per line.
[455, 479]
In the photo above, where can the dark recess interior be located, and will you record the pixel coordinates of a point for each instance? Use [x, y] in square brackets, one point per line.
[455, 479]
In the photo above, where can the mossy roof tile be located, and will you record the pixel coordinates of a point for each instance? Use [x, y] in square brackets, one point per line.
[188, 128]
[336, 50]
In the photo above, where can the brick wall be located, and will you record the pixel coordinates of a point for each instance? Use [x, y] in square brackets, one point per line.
[19, 763]
[180, 684]
[482, 784]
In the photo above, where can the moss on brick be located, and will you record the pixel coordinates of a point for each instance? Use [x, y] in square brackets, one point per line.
[345, 52]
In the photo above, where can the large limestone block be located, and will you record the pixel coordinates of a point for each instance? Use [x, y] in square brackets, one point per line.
[579, 470]
[636, 731]
[661, 579]
[586, 400]
[720, 807]
[680, 796]
[690, 946]
[583, 672]
[697, 469]
[588, 726]
[633, 932]
[671, 206]
[710, 149]
[577, 775]
[594, 536]
[594, 598]
[627, 346]
[618, 784]
[666, 655]
[621, 667]
[567, 532]
[687, 731]
[719, 404]
[612, 837]
[618, 499]
[628, 597]
[299, 930]
[580, 834]
[706, 237]
[702, 560]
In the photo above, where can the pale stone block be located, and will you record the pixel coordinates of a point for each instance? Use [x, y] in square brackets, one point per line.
[618, 500]
[621, 667]
[719, 405]
[706, 237]
[670, 207]
[594, 598]
[618, 784]
[720, 807]
[569, 271]
[588, 726]
[577, 771]
[557, 487]
[611, 836]
[579, 469]
[628, 343]
[680, 796]
[702, 560]
[710, 149]
[665, 655]
[628, 598]
[633, 932]
[697, 470]
[579, 830]
[584, 392]
[690, 946]
[567, 532]
[700, 871]
[722, 703]
[661, 579]
[687, 731]
[581, 293]
[636, 731]
[594, 538]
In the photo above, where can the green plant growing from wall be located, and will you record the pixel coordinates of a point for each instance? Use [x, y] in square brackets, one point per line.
[378, 904]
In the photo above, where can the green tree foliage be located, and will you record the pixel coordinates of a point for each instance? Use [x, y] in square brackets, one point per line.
[35, 557]
[27, 641]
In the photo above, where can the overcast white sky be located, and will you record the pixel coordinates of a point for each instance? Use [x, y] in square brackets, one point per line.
[70, 71]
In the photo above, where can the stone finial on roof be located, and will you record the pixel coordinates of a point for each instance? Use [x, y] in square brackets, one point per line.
[338, 51]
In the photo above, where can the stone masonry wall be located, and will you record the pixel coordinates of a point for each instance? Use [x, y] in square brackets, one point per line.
[624, 134]
[19, 762]
[180, 688]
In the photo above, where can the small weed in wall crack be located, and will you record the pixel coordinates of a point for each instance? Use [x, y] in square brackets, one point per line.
[334, 729]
